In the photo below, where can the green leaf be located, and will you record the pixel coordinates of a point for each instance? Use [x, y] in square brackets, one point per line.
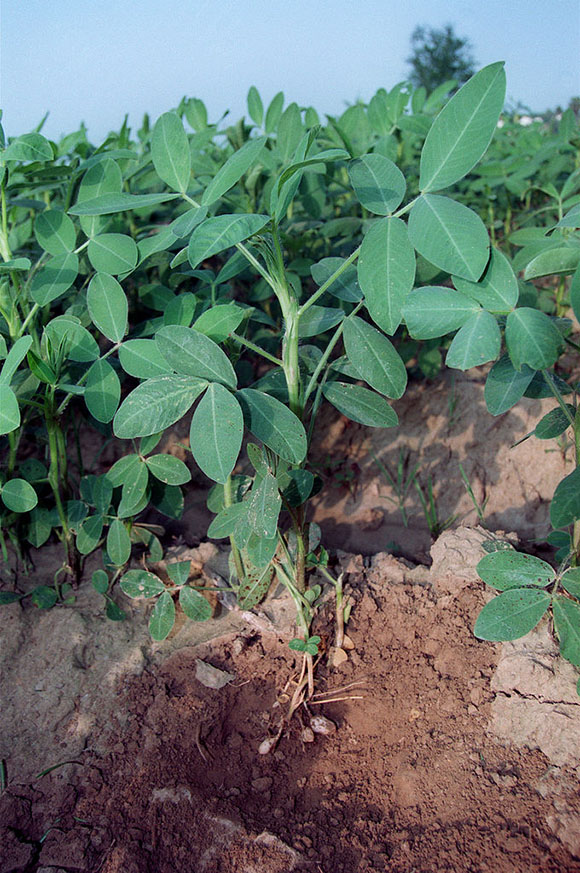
[297, 490]
[170, 152]
[567, 627]
[476, 343]
[216, 433]
[564, 259]
[463, 129]
[505, 385]
[192, 353]
[449, 235]
[434, 311]
[255, 106]
[122, 468]
[254, 587]
[9, 409]
[141, 583]
[220, 233]
[107, 204]
[32, 470]
[18, 495]
[133, 495]
[378, 183]
[102, 178]
[168, 499]
[29, 147]
[113, 253]
[318, 319]
[194, 604]
[180, 310]
[102, 391]
[196, 113]
[41, 370]
[571, 579]
[220, 321]
[510, 569]
[374, 358]
[345, 286]
[147, 444]
[360, 404]
[162, 618]
[54, 278]
[225, 522]
[261, 550]
[575, 293]
[233, 170]
[44, 597]
[274, 424]
[497, 290]
[565, 505]
[168, 469]
[100, 581]
[264, 507]
[386, 271]
[554, 423]
[114, 612]
[9, 597]
[572, 218]
[39, 527]
[118, 543]
[80, 344]
[142, 359]
[89, 534]
[15, 264]
[108, 307]
[179, 572]
[274, 112]
[511, 615]
[15, 357]
[156, 404]
[55, 232]
[532, 339]
[102, 494]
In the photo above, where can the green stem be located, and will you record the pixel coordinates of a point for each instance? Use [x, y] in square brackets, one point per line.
[326, 285]
[28, 318]
[250, 345]
[557, 394]
[237, 558]
[57, 481]
[4, 245]
[322, 362]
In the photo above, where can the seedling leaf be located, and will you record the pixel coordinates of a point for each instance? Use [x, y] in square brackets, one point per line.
[510, 569]
[511, 615]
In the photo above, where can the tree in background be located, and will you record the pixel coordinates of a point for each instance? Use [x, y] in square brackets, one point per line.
[439, 55]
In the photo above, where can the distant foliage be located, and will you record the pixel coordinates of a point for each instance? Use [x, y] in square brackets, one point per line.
[439, 55]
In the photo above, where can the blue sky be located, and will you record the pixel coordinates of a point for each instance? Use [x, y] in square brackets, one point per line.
[95, 60]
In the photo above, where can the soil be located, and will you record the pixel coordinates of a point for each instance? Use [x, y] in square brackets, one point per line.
[442, 753]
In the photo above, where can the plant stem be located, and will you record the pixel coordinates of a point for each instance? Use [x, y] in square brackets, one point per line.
[57, 481]
[326, 285]
[250, 345]
[237, 558]
[558, 395]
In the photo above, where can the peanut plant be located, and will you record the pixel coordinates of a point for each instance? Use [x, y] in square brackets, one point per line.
[245, 276]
